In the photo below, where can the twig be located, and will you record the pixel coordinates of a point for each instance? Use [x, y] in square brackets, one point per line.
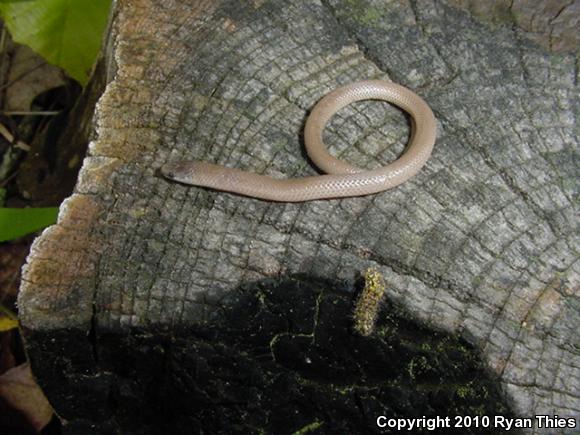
[7, 180]
[31, 113]
[10, 138]
[8, 313]
[21, 76]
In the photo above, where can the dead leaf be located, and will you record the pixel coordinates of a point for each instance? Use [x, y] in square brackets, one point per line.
[29, 75]
[19, 390]
[7, 350]
[12, 257]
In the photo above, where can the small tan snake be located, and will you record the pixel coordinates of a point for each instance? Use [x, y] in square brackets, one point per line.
[342, 179]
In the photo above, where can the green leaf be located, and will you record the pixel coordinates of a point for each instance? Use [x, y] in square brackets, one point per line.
[7, 323]
[66, 33]
[17, 222]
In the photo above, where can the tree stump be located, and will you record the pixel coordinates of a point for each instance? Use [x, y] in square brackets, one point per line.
[119, 297]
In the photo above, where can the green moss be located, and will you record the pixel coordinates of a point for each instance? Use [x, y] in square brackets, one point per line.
[370, 15]
[308, 428]
[364, 13]
[465, 391]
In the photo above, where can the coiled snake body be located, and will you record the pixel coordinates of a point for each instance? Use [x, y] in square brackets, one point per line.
[341, 179]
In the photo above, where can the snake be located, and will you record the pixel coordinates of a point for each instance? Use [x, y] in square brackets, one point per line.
[341, 179]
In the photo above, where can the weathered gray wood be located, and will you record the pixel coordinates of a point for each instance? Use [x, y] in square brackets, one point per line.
[482, 242]
[551, 23]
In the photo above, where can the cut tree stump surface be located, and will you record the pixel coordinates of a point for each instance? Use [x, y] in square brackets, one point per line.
[481, 243]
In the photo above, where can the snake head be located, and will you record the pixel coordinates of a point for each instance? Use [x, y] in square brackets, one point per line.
[178, 171]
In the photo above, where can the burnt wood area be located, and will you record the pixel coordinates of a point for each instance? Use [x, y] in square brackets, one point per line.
[155, 307]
